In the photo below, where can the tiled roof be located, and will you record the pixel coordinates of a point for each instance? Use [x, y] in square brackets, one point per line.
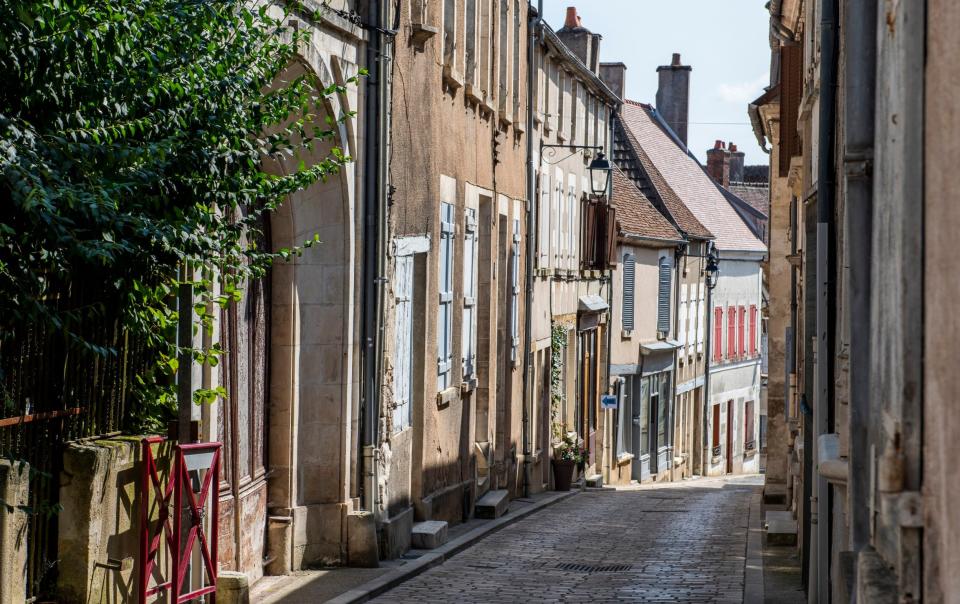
[685, 176]
[636, 215]
[757, 196]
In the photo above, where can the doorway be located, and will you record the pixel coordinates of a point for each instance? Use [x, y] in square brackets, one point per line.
[729, 448]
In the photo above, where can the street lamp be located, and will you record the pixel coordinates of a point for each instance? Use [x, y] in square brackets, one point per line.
[600, 171]
[713, 269]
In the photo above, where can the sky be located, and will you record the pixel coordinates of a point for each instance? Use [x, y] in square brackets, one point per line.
[725, 41]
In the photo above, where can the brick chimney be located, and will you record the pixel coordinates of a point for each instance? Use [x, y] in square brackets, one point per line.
[580, 40]
[718, 163]
[736, 163]
[673, 95]
[614, 75]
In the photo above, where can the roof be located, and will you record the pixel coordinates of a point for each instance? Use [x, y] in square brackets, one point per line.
[756, 195]
[686, 177]
[652, 184]
[636, 215]
[553, 40]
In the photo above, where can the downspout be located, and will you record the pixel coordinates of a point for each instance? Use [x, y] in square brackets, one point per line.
[705, 453]
[826, 292]
[860, 78]
[677, 256]
[533, 28]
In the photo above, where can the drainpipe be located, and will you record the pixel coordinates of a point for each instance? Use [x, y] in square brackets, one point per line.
[860, 77]
[528, 392]
[679, 253]
[826, 292]
[374, 251]
[705, 453]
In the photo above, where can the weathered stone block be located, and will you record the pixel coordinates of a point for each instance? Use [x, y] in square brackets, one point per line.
[362, 540]
[395, 537]
[493, 505]
[781, 528]
[429, 535]
[232, 588]
[14, 491]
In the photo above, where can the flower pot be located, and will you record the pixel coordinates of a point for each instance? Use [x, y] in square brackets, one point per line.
[563, 474]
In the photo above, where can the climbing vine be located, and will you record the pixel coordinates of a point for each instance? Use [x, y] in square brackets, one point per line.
[133, 140]
[558, 345]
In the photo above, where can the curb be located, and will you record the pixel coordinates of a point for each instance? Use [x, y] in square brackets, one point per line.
[389, 580]
[753, 565]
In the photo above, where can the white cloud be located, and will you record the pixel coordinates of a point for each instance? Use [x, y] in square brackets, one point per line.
[743, 92]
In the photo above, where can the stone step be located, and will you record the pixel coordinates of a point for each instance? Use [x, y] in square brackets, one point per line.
[781, 528]
[429, 534]
[493, 505]
[595, 481]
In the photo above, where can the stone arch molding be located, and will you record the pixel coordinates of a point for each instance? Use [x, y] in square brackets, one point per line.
[313, 351]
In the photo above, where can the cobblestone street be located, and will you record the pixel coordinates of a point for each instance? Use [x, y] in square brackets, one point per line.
[661, 543]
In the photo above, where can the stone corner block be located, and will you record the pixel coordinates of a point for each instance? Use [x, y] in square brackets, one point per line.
[232, 588]
[362, 544]
[493, 505]
[14, 492]
[430, 534]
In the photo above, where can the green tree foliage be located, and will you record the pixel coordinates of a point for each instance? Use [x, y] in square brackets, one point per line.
[132, 140]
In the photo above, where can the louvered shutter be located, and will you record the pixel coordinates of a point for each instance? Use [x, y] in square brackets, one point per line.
[731, 332]
[445, 303]
[701, 317]
[515, 294]
[469, 326]
[663, 300]
[741, 327]
[753, 330]
[571, 226]
[609, 257]
[717, 334]
[544, 218]
[403, 366]
[629, 273]
[682, 317]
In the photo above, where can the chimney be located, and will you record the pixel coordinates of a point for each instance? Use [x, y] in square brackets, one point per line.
[736, 164]
[718, 163]
[673, 95]
[581, 42]
[614, 75]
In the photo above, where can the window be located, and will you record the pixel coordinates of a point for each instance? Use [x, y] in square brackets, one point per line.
[629, 269]
[516, 60]
[515, 294]
[543, 238]
[503, 47]
[418, 11]
[741, 336]
[471, 29]
[716, 430]
[403, 354]
[644, 416]
[749, 442]
[470, 271]
[731, 333]
[663, 300]
[562, 95]
[485, 63]
[574, 102]
[717, 334]
[663, 411]
[753, 330]
[625, 416]
[449, 32]
[445, 306]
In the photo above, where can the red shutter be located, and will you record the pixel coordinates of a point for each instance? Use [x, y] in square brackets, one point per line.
[731, 332]
[717, 333]
[753, 330]
[741, 335]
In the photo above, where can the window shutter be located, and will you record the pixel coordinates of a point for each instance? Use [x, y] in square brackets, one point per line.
[718, 334]
[609, 257]
[753, 330]
[544, 218]
[701, 317]
[515, 294]
[749, 432]
[716, 427]
[403, 366]
[731, 332]
[629, 273]
[445, 314]
[682, 318]
[469, 326]
[663, 300]
[741, 327]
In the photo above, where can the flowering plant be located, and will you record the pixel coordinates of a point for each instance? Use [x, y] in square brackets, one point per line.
[571, 448]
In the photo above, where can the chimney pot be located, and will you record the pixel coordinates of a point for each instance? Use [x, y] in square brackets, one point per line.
[733, 148]
[573, 19]
[676, 60]
[718, 144]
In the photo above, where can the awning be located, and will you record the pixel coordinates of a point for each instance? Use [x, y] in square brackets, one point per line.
[658, 346]
[592, 303]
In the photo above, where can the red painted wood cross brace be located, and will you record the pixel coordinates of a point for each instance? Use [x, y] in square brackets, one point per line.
[179, 537]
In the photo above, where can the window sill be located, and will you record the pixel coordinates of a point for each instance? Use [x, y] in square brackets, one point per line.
[506, 118]
[626, 333]
[468, 385]
[452, 78]
[421, 33]
[474, 94]
[445, 397]
[624, 458]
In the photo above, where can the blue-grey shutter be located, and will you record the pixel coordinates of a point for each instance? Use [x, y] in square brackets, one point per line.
[629, 272]
[515, 294]
[663, 301]
[445, 305]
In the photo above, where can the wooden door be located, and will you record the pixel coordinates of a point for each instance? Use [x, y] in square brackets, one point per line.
[243, 429]
[729, 449]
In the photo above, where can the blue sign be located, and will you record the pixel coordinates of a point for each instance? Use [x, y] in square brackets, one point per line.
[608, 401]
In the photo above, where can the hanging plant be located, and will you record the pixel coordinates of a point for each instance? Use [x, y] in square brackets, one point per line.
[558, 346]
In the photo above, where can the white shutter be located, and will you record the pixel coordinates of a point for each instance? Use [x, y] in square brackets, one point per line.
[470, 270]
[544, 218]
[445, 303]
[701, 316]
[629, 281]
[403, 366]
[515, 294]
[682, 318]
[663, 301]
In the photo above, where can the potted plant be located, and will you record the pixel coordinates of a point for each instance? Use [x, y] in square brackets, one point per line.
[567, 455]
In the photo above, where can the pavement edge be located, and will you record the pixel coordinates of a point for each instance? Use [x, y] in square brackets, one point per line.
[753, 565]
[389, 580]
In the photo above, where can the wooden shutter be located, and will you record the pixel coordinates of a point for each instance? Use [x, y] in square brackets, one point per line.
[403, 366]
[701, 317]
[682, 319]
[731, 332]
[791, 94]
[663, 299]
[629, 273]
[741, 326]
[749, 432]
[718, 334]
[515, 293]
[469, 322]
[716, 426]
[445, 303]
[544, 222]
[609, 256]
[753, 330]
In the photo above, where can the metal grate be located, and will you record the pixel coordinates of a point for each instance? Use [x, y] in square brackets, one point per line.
[595, 568]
